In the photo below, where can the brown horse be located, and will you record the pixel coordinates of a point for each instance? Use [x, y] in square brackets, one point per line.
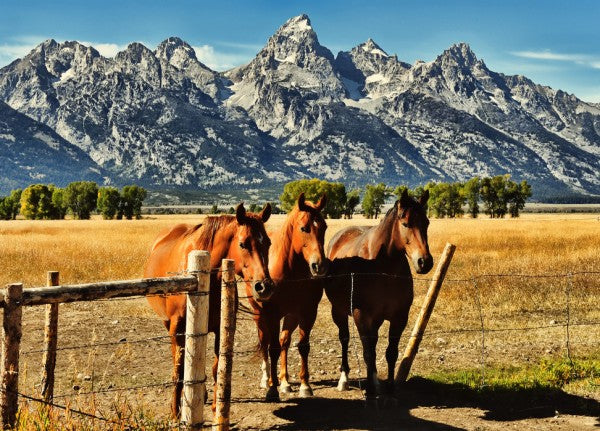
[381, 287]
[242, 238]
[296, 255]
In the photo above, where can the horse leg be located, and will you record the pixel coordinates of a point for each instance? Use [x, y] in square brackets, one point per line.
[176, 331]
[215, 368]
[304, 349]
[368, 337]
[274, 352]
[289, 325]
[397, 325]
[264, 353]
[341, 321]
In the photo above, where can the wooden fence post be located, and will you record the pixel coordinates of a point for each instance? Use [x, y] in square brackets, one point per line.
[50, 341]
[227, 333]
[11, 342]
[196, 328]
[426, 310]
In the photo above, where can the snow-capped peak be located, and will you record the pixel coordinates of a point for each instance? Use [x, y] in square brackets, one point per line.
[297, 23]
[372, 48]
[461, 53]
[168, 47]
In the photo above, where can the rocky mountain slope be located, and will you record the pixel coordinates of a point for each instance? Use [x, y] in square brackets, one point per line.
[164, 119]
[31, 152]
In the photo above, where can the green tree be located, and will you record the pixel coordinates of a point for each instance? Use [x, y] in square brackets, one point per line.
[132, 198]
[401, 189]
[214, 209]
[5, 210]
[10, 205]
[109, 200]
[81, 198]
[352, 200]
[471, 191]
[374, 199]
[36, 202]
[59, 203]
[313, 190]
[494, 194]
[445, 199]
[517, 195]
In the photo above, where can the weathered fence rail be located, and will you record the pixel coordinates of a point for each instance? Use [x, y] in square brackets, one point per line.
[13, 298]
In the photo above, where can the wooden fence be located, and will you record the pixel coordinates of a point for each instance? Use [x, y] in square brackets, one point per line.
[195, 286]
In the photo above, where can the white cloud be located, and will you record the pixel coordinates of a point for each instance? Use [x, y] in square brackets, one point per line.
[220, 61]
[581, 59]
[105, 49]
[18, 47]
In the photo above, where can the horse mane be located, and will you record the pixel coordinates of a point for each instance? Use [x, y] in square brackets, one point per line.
[210, 226]
[283, 236]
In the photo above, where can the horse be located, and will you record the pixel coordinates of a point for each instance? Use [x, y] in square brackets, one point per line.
[297, 254]
[242, 238]
[381, 286]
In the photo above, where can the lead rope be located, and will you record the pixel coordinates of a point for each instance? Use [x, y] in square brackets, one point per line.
[354, 326]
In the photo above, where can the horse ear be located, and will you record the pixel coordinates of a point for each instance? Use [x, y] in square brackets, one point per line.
[265, 213]
[240, 213]
[302, 202]
[405, 200]
[322, 202]
[424, 198]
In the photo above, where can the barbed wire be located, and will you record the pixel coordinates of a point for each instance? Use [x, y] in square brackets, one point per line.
[245, 313]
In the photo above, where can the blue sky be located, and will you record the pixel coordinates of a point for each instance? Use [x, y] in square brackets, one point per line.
[555, 43]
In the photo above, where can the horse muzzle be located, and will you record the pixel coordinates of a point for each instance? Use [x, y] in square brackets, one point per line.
[319, 268]
[423, 264]
[262, 290]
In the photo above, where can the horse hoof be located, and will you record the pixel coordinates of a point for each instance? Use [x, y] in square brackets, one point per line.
[285, 388]
[343, 386]
[272, 395]
[305, 392]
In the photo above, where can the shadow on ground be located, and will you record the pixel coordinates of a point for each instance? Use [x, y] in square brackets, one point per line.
[501, 405]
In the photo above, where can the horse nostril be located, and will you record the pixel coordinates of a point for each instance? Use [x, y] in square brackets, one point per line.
[259, 287]
[421, 262]
[315, 267]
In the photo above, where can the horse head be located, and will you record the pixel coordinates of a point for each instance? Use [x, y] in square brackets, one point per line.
[412, 226]
[308, 234]
[250, 250]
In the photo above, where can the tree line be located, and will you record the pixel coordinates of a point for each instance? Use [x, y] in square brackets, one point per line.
[79, 198]
[496, 196]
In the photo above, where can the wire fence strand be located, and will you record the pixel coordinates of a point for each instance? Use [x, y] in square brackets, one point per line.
[477, 283]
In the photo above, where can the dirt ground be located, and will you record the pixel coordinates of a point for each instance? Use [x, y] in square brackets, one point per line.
[119, 361]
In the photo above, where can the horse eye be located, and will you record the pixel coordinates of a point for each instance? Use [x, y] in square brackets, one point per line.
[305, 229]
[404, 224]
[243, 246]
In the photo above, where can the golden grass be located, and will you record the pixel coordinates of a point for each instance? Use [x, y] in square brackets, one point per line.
[88, 250]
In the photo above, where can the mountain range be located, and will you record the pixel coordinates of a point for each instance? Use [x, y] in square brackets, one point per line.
[165, 120]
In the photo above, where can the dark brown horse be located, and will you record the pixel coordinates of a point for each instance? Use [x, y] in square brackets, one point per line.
[296, 255]
[382, 286]
[241, 237]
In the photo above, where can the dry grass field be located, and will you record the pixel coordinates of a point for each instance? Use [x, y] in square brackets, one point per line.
[507, 275]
